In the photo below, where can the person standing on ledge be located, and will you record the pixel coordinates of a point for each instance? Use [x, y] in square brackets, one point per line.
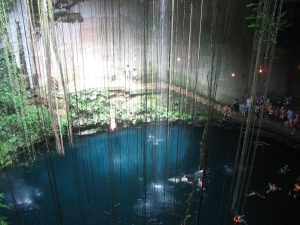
[127, 72]
[226, 112]
[112, 124]
[134, 75]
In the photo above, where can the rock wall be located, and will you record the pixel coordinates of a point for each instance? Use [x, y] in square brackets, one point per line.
[100, 41]
[294, 81]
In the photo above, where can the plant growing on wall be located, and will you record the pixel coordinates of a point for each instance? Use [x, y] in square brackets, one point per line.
[266, 20]
[264, 23]
[22, 124]
[2, 206]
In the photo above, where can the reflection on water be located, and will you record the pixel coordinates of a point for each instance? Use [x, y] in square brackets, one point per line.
[228, 169]
[159, 198]
[114, 178]
[154, 139]
[23, 195]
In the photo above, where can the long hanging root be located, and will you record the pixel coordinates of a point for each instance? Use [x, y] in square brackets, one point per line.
[264, 54]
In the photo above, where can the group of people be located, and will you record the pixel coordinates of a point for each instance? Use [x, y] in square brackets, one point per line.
[281, 113]
[272, 188]
[130, 74]
[197, 178]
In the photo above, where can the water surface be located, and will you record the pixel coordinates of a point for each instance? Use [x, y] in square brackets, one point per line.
[122, 178]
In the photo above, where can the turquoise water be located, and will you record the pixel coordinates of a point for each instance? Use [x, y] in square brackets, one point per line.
[122, 178]
[113, 178]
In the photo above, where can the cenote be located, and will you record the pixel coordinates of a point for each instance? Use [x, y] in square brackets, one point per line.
[159, 112]
[122, 178]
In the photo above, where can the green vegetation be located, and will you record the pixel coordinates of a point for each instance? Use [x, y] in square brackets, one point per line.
[264, 23]
[8, 4]
[2, 206]
[94, 107]
[22, 125]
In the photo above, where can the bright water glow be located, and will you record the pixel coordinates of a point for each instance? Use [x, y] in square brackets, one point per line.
[158, 187]
[119, 179]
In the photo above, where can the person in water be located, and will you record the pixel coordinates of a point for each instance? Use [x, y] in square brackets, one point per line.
[174, 180]
[273, 188]
[199, 179]
[185, 179]
[239, 219]
[254, 193]
[200, 183]
[295, 191]
[198, 174]
[284, 170]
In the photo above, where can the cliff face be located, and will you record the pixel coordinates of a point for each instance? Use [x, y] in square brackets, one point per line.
[98, 41]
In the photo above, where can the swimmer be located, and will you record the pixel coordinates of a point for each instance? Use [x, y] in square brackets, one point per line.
[174, 180]
[254, 193]
[297, 186]
[151, 137]
[284, 169]
[185, 179]
[200, 185]
[239, 219]
[295, 191]
[198, 173]
[273, 188]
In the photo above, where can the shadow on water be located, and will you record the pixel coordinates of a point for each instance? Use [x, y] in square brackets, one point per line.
[122, 178]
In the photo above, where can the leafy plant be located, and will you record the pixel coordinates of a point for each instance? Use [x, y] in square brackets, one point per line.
[265, 23]
[5, 159]
[9, 4]
[22, 124]
[2, 206]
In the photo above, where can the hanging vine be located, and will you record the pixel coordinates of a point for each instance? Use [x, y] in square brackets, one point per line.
[20, 121]
[266, 22]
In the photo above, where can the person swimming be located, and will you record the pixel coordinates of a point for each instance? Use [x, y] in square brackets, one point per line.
[254, 193]
[185, 179]
[198, 174]
[200, 183]
[284, 170]
[239, 219]
[273, 188]
[174, 180]
[295, 191]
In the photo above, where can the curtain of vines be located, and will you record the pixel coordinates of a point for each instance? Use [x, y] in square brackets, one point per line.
[268, 22]
[160, 47]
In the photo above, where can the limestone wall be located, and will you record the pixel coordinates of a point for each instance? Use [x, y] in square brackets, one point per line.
[159, 41]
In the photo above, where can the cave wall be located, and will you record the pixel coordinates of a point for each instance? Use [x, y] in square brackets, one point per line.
[236, 58]
[280, 74]
[98, 39]
[294, 81]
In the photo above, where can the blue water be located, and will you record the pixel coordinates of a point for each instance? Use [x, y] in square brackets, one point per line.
[122, 178]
